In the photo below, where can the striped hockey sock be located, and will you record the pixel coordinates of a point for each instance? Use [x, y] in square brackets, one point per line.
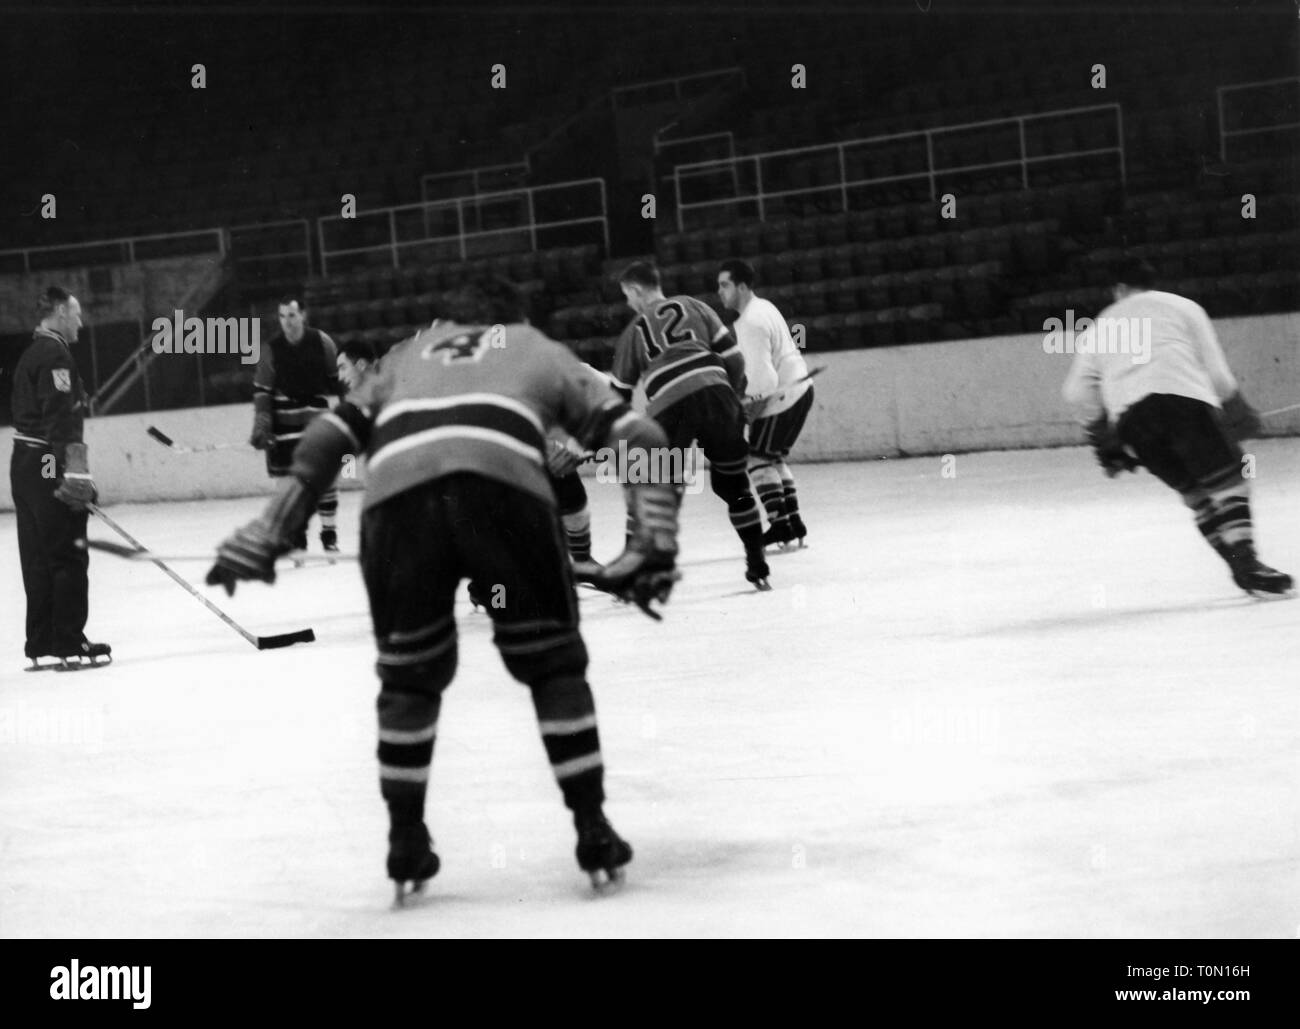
[790, 498]
[577, 528]
[408, 727]
[767, 484]
[566, 716]
[328, 508]
[1221, 506]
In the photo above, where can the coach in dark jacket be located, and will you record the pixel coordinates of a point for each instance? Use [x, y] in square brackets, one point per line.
[52, 485]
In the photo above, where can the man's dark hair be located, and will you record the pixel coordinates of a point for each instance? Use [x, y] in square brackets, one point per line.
[486, 301]
[359, 350]
[641, 273]
[49, 299]
[285, 301]
[1133, 271]
[741, 272]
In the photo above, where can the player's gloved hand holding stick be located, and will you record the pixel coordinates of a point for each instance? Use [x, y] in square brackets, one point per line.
[250, 553]
[561, 460]
[646, 570]
[1111, 454]
[77, 489]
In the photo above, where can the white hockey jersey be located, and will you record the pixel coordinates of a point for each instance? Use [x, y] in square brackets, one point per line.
[772, 361]
[1148, 342]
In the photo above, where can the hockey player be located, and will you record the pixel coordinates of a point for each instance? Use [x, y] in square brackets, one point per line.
[52, 487]
[694, 376]
[564, 455]
[357, 363]
[296, 371]
[1160, 394]
[455, 427]
[773, 364]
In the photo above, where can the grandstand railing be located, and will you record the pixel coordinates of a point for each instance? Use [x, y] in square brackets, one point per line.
[284, 243]
[461, 228]
[476, 178]
[1263, 104]
[119, 250]
[748, 169]
[135, 368]
[239, 241]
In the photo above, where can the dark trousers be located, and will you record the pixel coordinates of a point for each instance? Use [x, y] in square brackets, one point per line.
[775, 437]
[52, 551]
[1181, 442]
[416, 548]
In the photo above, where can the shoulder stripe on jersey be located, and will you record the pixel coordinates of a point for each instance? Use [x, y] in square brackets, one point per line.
[401, 407]
[662, 376]
[343, 427]
[431, 436]
[708, 370]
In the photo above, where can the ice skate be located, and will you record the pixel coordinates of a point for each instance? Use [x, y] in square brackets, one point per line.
[601, 852]
[779, 534]
[1257, 578]
[298, 553]
[756, 569]
[797, 530]
[87, 655]
[329, 541]
[411, 861]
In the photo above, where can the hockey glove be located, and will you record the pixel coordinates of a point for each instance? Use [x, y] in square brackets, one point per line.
[262, 436]
[250, 553]
[1111, 454]
[77, 489]
[1240, 420]
[560, 459]
[646, 570]
[247, 555]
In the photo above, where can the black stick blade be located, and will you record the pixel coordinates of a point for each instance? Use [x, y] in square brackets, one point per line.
[287, 639]
[160, 436]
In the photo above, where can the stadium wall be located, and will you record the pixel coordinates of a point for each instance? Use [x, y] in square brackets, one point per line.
[985, 394]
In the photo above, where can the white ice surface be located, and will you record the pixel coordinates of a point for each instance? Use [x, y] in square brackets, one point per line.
[1023, 701]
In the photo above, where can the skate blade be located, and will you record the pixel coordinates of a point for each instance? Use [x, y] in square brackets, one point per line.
[1266, 596]
[407, 892]
[762, 585]
[607, 880]
[80, 666]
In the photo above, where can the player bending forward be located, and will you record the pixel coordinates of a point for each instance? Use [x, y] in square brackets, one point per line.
[1179, 411]
[694, 377]
[455, 428]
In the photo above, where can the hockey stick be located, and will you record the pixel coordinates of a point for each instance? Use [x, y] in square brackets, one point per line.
[287, 639]
[762, 403]
[1280, 410]
[131, 554]
[172, 445]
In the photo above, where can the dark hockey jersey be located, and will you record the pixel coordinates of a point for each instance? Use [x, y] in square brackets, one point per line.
[465, 399]
[49, 400]
[298, 372]
[678, 348]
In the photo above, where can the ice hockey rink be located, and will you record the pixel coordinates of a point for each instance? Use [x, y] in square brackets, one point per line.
[1013, 700]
